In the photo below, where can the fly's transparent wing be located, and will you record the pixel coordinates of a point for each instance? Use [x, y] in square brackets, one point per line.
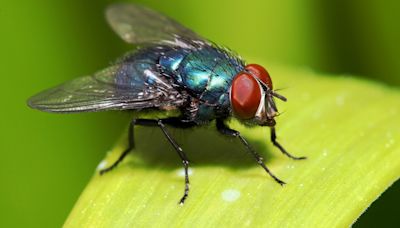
[139, 25]
[102, 91]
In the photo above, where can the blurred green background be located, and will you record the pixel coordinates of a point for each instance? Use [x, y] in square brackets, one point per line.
[47, 159]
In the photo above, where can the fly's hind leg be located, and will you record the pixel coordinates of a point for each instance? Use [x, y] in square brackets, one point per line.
[131, 145]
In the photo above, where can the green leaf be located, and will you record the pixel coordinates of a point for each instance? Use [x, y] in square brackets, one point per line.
[347, 127]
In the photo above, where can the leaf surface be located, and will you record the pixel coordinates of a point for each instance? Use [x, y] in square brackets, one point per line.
[347, 127]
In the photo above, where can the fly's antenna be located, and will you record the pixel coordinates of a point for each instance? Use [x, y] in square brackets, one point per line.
[270, 91]
[280, 89]
[278, 96]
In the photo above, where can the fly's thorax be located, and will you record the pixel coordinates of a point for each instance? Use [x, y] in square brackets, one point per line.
[208, 69]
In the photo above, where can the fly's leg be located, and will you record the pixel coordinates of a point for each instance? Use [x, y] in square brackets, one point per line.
[161, 124]
[223, 129]
[131, 145]
[178, 149]
[277, 144]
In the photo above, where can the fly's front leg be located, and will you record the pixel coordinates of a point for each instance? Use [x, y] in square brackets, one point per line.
[277, 144]
[222, 128]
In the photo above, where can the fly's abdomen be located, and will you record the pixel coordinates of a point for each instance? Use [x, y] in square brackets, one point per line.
[139, 73]
[140, 68]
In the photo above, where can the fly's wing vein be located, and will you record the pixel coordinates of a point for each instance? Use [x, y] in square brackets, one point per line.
[102, 92]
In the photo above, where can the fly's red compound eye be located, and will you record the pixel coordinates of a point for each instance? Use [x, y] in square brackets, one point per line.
[261, 73]
[245, 95]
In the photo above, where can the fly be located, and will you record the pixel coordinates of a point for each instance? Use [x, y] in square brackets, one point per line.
[171, 68]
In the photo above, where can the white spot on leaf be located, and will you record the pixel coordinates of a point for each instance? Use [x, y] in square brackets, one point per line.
[340, 100]
[102, 165]
[230, 195]
[389, 143]
[325, 152]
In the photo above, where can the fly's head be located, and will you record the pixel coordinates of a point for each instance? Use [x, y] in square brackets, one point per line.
[252, 96]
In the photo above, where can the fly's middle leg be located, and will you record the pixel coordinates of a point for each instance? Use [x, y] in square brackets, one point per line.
[161, 124]
[182, 155]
